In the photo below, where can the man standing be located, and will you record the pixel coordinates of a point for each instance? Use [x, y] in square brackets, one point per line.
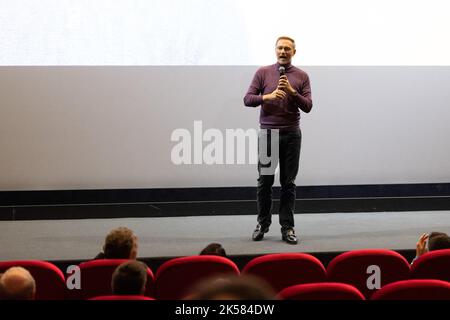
[282, 90]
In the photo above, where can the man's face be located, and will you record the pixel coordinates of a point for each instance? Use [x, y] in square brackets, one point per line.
[284, 51]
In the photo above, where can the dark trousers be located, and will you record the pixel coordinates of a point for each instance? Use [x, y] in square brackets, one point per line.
[289, 156]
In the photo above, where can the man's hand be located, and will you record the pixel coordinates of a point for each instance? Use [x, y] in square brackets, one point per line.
[284, 88]
[276, 94]
[283, 84]
[421, 245]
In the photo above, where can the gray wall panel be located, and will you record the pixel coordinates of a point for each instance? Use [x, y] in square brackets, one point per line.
[110, 127]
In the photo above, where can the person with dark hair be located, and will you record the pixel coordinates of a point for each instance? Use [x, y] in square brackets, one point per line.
[430, 242]
[120, 243]
[439, 242]
[17, 284]
[282, 90]
[244, 287]
[214, 249]
[130, 278]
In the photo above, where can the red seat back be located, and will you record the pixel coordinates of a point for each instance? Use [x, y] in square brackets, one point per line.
[321, 291]
[432, 265]
[50, 282]
[353, 268]
[96, 277]
[176, 277]
[122, 297]
[283, 270]
[414, 290]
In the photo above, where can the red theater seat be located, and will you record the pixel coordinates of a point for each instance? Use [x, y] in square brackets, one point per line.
[122, 297]
[96, 276]
[50, 282]
[414, 290]
[321, 291]
[175, 277]
[353, 268]
[432, 265]
[283, 270]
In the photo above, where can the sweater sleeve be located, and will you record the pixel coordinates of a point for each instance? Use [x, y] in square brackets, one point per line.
[253, 97]
[303, 100]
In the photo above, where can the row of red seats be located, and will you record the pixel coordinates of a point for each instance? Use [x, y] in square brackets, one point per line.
[401, 290]
[423, 289]
[282, 271]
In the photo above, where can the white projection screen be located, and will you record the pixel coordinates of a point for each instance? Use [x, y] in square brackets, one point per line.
[92, 92]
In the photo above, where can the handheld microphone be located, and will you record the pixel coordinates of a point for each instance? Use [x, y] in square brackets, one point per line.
[282, 70]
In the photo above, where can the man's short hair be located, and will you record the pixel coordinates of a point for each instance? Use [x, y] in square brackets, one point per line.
[215, 249]
[286, 38]
[17, 283]
[439, 242]
[130, 278]
[119, 243]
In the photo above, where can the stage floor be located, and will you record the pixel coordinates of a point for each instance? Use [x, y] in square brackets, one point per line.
[180, 236]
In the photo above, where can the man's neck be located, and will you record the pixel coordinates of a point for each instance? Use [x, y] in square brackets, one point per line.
[286, 65]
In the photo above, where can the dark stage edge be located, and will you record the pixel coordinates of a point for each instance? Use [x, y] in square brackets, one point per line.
[174, 202]
[206, 208]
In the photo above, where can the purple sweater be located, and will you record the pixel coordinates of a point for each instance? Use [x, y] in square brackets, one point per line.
[279, 114]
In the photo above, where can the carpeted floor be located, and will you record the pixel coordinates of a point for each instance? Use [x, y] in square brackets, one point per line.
[180, 236]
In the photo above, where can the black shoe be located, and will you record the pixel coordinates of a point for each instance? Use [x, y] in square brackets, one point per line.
[258, 234]
[289, 236]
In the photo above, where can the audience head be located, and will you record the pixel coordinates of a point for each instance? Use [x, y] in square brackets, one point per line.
[244, 287]
[17, 284]
[438, 241]
[431, 241]
[215, 249]
[120, 243]
[130, 278]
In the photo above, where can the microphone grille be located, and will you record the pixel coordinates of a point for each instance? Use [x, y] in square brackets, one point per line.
[282, 70]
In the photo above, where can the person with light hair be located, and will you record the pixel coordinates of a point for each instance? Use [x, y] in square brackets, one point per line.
[120, 243]
[17, 283]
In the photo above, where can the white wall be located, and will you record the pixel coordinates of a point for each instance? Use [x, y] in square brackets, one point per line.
[110, 127]
[223, 32]
[91, 91]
